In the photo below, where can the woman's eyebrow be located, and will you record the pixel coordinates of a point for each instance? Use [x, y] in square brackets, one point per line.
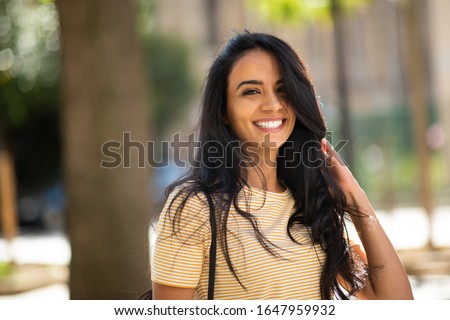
[258, 82]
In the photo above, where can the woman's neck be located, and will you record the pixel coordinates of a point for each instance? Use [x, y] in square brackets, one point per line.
[264, 178]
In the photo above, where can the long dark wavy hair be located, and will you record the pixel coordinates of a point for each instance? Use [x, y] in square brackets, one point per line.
[319, 201]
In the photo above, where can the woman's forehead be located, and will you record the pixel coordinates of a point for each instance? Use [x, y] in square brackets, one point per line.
[256, 63]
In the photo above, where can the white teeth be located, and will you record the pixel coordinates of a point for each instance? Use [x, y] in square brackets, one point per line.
[269, 124]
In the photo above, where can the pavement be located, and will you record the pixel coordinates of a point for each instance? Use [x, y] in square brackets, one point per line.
[407, 228]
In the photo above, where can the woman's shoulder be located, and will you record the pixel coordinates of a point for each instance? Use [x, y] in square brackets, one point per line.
[185, 208]
[186, 201]
[188, 191]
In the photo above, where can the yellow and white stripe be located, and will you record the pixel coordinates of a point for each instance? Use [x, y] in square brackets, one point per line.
[182, 260]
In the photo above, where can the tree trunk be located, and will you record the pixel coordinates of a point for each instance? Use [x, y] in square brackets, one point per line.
[418, 102]
[104, 93]
[211, 16]
[341, 81]
[8, 206]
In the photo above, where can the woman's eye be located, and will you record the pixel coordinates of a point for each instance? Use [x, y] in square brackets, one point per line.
[250, 92]
[281, 90]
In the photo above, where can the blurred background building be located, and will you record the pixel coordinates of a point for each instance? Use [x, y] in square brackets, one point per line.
[381, 70]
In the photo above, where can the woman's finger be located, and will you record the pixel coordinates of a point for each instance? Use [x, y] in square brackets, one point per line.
[330, 152]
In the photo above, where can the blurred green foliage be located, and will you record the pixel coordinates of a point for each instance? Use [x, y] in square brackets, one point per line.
[386, 163]
[5, 269]
[300, 11]
[167, 61]
[170, 77]
[29, 89]
[29, 61]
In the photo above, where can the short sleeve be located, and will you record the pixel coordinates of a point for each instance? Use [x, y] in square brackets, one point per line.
[182, 241]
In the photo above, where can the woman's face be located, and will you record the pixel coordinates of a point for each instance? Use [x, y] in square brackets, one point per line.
[257, 109]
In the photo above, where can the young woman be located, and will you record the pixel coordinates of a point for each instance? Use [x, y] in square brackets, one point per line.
[279, 192]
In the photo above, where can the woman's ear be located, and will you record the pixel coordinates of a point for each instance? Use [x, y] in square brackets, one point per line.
[225, 120]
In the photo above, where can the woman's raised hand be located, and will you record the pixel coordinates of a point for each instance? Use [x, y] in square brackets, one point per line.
[344, 176]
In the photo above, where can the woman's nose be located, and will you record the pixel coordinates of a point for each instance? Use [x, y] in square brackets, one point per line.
[272, 103]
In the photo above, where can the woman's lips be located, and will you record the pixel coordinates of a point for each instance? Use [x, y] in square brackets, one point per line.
[272, 125]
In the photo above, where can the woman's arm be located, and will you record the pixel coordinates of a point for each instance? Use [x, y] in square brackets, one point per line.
[390, 280]
[180, 246]
[163, 292]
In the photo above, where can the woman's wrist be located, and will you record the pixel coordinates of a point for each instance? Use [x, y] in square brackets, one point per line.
[363, 216]
[356, 197]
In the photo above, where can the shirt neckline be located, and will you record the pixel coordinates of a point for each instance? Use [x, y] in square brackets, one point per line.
[271, 194]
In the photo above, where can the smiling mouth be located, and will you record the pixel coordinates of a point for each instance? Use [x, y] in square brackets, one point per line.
[270, 124]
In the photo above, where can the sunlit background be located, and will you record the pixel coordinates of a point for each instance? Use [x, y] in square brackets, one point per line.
[381, 70]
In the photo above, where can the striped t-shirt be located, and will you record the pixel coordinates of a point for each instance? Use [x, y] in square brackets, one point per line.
[182, 259]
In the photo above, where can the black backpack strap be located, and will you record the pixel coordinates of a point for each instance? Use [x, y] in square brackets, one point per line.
[212, 249]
